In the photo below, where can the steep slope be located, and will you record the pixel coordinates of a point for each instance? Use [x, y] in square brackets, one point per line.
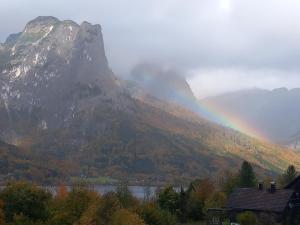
[16, 163]
[275, 113]
[62, 106]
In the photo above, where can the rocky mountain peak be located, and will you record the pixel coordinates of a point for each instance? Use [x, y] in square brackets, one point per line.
[46, 40]
[36, 24]
[52, 65]
[43, 20]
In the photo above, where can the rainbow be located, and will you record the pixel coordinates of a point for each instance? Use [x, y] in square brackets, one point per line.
[213, 113]
[226, 119]
[218, 115]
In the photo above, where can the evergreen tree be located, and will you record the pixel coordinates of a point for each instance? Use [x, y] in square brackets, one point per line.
[247, 176]
[182, 205]
[289, 175]
[168, 199]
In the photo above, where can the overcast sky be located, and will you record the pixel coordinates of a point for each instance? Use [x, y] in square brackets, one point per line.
[221, 45]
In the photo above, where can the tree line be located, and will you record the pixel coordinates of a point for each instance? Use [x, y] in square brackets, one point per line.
[23, 203]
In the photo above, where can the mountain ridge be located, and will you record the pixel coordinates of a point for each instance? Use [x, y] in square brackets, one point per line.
[61, 103]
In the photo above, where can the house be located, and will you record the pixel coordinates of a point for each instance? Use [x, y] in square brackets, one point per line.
[295, 185]
[278, 205]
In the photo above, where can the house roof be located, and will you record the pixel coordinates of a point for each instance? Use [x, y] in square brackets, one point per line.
[294, 184]
[254, 199]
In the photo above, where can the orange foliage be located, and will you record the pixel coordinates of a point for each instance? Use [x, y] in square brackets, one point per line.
[204, 190]
[62, 191]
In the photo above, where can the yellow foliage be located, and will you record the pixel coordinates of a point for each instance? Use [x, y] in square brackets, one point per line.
[90, 216]
[125, 217]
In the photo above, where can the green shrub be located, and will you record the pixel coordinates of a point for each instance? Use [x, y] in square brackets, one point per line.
[247, 218]
[226, 222]
[153, 215]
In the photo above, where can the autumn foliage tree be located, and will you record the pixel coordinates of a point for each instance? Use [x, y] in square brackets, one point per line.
[125, 217]
[152, 214]
[228, 181]
[69, 210]
[217, 200]
[26, 200]
[198, 192]
[62, 191]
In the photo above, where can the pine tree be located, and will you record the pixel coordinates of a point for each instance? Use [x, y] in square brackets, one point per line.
[182, 205]
[247, 176]
[289, 175]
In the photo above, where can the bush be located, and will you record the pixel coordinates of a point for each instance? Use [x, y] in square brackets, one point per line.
[247, 218]
[153, 215]
[22, 220]
[266, 219]
[226, 222]
[125, 217]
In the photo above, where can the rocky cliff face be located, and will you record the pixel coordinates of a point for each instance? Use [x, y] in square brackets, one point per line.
[46, 70]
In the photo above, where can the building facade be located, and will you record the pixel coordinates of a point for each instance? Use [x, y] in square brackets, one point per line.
[268, 204]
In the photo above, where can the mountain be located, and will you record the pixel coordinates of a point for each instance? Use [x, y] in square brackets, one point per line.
[275, 113]
[65, 114]
[46, 65]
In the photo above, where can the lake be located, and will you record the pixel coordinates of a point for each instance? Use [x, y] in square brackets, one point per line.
[137, 191]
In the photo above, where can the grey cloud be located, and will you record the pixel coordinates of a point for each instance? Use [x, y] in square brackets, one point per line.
[192, 35]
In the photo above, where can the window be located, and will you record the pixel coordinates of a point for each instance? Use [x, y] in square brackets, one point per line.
[215, 221]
